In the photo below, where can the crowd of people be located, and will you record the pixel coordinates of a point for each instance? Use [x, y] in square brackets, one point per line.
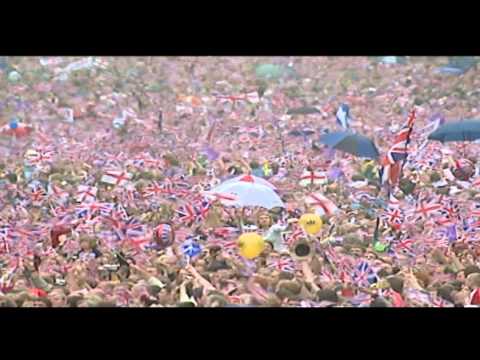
[109, 168]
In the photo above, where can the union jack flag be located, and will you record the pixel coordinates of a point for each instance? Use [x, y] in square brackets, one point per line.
[471, 226]
[56, 193]
[87, 227]
[6, 281]
[140, 243]
[89, 209]
[233, 99]
[441, 242]
[389, 173]
[437, 301]
[394, 217]
[187, 214]
[296, 234]
[332, 256]
[225, 232]
[42, 156]
[282, 264]
[426, 209]
[81, 211]
[420, 296]
[391, 166]
[153, 189]
[225, 245]
[327, 276]
[60, 212]
[106, 209]
[362, 195]
[134, 229]
[119, 212]
[202, 208]
[361, 300]
[444, 219]
[404, 246]
[398, 151]
[110, 238]
[37, 194]
[364, 275]
[114, 159]
[451, 209]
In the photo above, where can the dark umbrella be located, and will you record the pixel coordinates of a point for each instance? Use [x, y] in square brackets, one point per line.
[458, 65]
[464, 130]
[351, 143]
[304, 110]
[304, 132]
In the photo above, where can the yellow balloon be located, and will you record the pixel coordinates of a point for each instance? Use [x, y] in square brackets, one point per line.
[251, 245]
[311, 223]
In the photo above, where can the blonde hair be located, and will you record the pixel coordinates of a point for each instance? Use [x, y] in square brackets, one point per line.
[473, 280]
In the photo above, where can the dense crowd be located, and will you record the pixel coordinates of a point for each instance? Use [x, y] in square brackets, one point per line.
[110, 166]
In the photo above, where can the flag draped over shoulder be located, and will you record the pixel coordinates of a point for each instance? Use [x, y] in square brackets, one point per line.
[396, 156]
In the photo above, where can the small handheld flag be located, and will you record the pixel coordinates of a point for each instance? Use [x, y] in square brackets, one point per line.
[191, 248]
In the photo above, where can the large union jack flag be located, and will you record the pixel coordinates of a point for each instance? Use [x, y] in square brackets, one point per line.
[364, 275]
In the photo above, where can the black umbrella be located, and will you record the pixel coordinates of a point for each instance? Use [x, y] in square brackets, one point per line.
[303, 132]
[304, 110]
[464, 130]
[351, 143]
[458, 65]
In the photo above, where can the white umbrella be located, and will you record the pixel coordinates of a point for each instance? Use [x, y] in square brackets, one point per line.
[248, 178]
[247, 193]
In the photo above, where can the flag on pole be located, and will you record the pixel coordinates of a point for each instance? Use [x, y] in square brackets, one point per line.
[391, 162]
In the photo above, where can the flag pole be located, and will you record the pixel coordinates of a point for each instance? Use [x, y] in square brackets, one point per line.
[407, 142]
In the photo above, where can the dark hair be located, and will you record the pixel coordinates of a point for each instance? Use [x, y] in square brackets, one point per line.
[104, 304]
[471, 269]
[327, 295]
[383, 273]
[457, 285]
[186, 304]
[395, 269]
[445, 292]
[7, 302]
[73, 300]
[153, 290]
[396, 283]
[379, 302]
[285, 275]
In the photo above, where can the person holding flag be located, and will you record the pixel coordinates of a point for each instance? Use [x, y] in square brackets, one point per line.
[396, 157]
